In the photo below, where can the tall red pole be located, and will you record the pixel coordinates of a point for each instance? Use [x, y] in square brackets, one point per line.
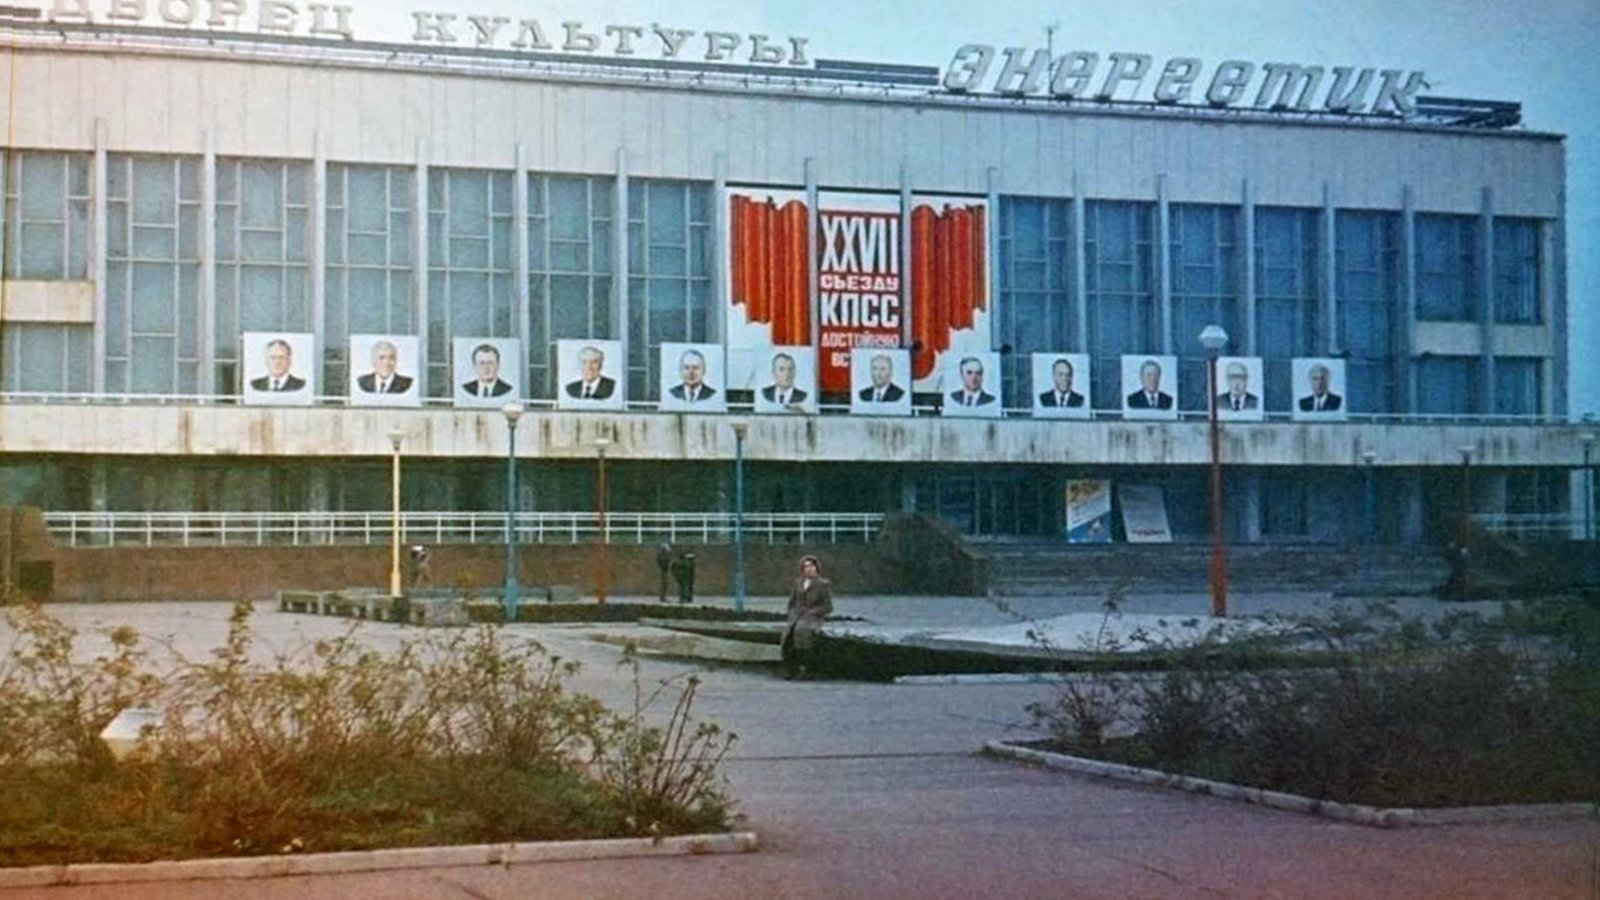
[1219, 541]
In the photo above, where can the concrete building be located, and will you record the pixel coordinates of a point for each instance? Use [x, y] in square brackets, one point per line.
[168, 191]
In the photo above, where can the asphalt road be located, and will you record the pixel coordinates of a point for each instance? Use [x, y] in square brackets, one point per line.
[864, 790]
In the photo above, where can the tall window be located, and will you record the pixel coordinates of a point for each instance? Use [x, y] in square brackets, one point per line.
[1447, 267]
[263, 246]
[153, 275]
[469, 263]
[47, 215]
[569, 266]
[1034, 294]
[1286, 295]
[1516, 271]
[1368, 273]
[368, 261]
[1518, 390]
[1118, 252]
[47, 238]
[1204, 288]
[1448, 385]
[669, 273]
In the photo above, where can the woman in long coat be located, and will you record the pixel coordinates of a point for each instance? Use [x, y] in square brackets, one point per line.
[810, 602]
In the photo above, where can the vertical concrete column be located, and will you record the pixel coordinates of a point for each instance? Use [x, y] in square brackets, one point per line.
[317, 257]
[98, 234]
[906, 268]
[1408, 491]
[620, 249]
[1406, 346]
[1247, 265]
[1485, 249]
[1553, 266]
[99, 481]
[1246, 492]
[1080, 264]
[1328, 262]
[419, 259]
[522, 319]
[812, 191]
[992, 235]
[208, 269]
[1163, 258]
[719, 248]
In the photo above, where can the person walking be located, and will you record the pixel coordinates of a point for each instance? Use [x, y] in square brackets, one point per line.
[810, 602]
[664, 563]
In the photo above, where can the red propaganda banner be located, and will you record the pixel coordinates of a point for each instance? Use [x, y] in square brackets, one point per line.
[769, 277]
[860, 303]
[949, 282]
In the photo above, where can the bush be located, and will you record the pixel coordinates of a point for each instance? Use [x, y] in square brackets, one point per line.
[459, 738]
[1403, 713]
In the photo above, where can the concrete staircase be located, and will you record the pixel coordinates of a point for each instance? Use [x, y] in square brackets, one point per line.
[1040, 567]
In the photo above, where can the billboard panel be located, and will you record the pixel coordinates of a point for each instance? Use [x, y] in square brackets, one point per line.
[950, 266]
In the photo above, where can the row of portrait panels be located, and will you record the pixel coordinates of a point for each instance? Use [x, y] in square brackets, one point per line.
[591, 376]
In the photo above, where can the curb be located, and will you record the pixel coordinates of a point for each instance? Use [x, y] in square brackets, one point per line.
[350, 862]
[1374, 816]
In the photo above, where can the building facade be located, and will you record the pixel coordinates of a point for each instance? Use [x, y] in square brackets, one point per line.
[169, 193]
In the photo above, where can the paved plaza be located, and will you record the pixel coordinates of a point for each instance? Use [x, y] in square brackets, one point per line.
[872, 790]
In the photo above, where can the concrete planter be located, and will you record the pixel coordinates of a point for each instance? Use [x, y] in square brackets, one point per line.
[1346, 812]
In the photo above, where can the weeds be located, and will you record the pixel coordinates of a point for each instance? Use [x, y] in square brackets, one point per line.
[458, 737]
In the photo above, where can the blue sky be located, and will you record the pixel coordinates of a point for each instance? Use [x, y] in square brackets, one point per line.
[1539, 52]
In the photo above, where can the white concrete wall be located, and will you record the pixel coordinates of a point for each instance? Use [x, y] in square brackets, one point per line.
[231, 431]
[164, 103]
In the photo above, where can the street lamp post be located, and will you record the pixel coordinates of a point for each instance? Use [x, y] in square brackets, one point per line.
[602, 567]
[1588, 438]
[513, 590]
[1214, 338]
[1368, 457]
[396, 589]
[740, 430]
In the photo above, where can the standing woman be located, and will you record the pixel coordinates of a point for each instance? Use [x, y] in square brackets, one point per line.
[810, 601]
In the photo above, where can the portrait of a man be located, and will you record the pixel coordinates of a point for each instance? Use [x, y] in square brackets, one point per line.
[783, 391]
[280, 362]
[385, 377]
[486, 367]
[1060, 395]
[973, 394]
[1319, 378]
[1150, 395]
[881, 387]
[1237, 396]
[1150, 387]
[592, 383]
[691, 378]
[270, 361]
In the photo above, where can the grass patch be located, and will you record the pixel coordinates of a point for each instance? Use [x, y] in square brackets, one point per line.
[452, 738]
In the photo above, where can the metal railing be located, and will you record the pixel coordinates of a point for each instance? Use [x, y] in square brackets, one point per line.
[1532, 526]
[744, 408]
[255, 529]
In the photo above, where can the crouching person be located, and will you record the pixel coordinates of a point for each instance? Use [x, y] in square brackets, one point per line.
[810, 602]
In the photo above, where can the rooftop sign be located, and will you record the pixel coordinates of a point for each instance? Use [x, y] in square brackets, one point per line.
[1083, 75]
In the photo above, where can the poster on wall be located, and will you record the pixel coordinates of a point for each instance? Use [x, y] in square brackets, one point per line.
[1089, 511]
[383, 370]
[691, 378]
[590, 375]
[950, 266]
[769, 278]
[879, 382]
[1238, 381]
[1144, 514]
[485, 371]
[1318, 390]
[1149, 387]
[1060, 386]
[976, 380]
[787, 382]
[279, 368]
[860, 281]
